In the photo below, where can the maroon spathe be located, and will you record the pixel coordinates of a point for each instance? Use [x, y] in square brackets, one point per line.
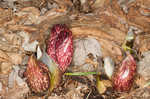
[123, 79]
[60, 46]
[38, 76]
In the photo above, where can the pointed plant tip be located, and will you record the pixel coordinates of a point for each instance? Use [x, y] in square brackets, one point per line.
[124, 76]
[60, 46]
[37, 76]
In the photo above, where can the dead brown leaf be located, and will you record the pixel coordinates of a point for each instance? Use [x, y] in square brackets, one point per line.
[4, 56]
[16, 58]
[5, 67]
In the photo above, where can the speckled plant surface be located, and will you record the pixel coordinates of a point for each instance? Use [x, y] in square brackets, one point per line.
[74, 49]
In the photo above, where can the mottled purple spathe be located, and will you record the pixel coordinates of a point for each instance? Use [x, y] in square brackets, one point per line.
[60, 46]
[124, 77]
[38, 76]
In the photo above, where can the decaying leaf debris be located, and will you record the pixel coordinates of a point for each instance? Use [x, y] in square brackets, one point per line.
[26, 24]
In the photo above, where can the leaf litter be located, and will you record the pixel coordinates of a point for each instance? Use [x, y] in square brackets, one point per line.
[25, 26]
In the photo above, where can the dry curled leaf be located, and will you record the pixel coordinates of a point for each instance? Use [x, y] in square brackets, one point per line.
[112, 49]
[16, 58]
[5, 67]
[31, 13]
[27, 45]
[143, 66]
[8, 47]
[16, 93]
[12, 38]
[4, 56]
[83, 49]
[142, 43]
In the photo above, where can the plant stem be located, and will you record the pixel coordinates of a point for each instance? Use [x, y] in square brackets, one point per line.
[80, 73]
